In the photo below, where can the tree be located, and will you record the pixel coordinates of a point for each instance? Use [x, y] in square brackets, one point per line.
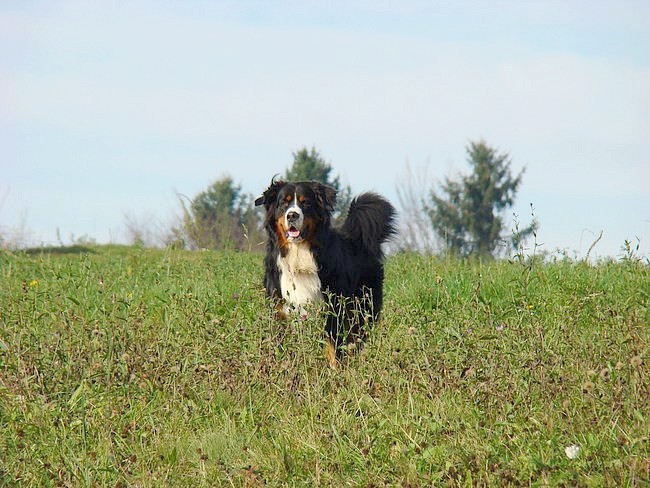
[220, 217]
[309, 165]
[468, 215]
[217, 201]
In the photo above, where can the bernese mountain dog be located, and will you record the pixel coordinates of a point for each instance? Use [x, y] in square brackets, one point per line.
[308, 260]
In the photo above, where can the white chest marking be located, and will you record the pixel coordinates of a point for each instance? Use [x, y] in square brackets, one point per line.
[299, 281]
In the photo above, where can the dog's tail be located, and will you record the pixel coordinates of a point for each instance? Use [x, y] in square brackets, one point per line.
[371, 221]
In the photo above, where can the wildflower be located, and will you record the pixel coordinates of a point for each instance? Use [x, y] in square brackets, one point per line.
[501, 327]
[572, 451]
[33, 283]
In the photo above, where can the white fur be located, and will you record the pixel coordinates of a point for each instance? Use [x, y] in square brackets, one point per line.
[299, 281]
[298, 223]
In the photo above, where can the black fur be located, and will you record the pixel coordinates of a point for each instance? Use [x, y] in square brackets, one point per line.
[349, 258]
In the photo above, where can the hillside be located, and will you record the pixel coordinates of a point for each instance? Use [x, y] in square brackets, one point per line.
[134, 367]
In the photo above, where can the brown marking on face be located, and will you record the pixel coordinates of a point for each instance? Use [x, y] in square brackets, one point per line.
[281, 231]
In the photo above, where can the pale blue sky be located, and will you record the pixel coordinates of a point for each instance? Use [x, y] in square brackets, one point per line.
[110, 108]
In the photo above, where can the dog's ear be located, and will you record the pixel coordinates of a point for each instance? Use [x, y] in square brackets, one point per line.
[270, 194]
[325, 194]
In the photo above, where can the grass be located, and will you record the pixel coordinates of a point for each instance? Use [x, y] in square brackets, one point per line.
[133, 367]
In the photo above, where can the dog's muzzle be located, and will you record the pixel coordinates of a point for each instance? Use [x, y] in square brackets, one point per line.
[294, 220]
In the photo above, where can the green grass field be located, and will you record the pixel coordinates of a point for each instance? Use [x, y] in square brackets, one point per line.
[134, 367]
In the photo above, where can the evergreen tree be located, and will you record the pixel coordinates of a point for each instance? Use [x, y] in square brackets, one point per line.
[216, 202]
[309, 165]
[220, 217]
[468, 215]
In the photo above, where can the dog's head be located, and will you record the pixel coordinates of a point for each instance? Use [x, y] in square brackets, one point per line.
[295, 210]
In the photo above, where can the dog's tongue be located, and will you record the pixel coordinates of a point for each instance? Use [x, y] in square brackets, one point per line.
[294, 233]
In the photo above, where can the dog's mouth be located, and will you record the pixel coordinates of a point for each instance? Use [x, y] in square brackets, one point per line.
[293, 233]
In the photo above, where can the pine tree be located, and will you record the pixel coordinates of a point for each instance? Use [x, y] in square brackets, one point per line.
[220, 217]
[309, 165]
[468, 214]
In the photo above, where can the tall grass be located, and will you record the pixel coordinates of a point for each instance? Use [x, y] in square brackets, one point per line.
[134, 367]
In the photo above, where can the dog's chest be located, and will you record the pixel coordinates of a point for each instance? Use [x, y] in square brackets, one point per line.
[299, 281]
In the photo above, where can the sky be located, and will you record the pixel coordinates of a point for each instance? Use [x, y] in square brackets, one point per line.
[111, 109]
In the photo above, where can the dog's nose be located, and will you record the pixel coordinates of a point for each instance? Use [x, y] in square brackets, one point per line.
[292, 216]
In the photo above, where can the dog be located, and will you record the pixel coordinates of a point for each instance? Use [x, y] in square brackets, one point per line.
[309, 260]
